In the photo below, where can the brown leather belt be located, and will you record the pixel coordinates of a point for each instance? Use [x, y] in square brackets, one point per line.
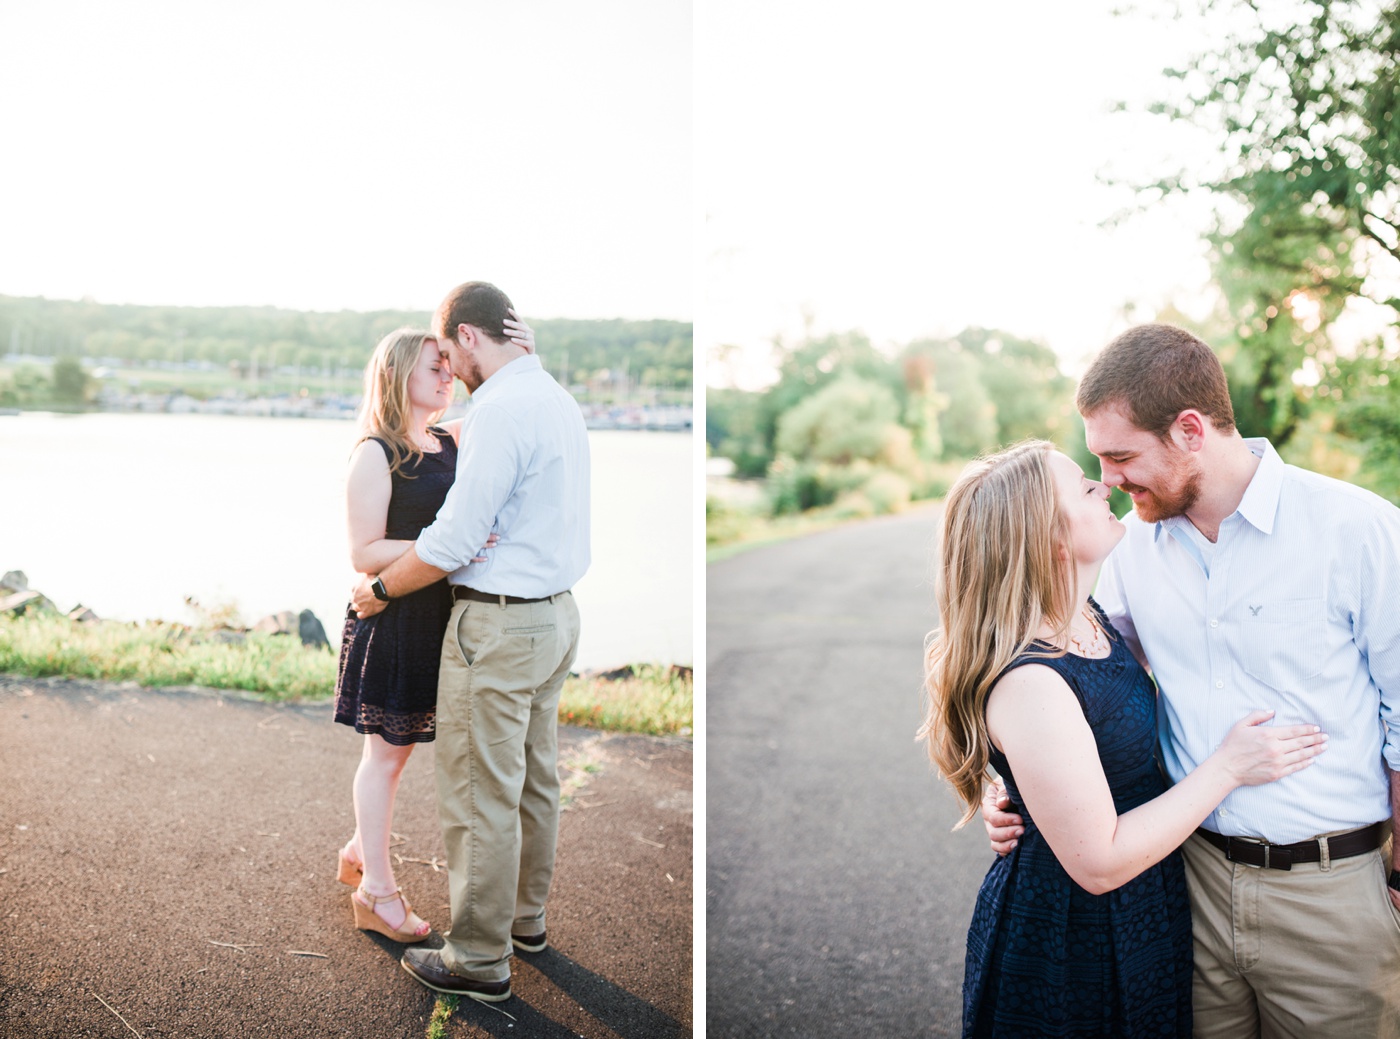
[463, 592]
[1253, 852]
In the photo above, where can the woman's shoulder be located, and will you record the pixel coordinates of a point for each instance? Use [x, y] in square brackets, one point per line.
[1029, 670]
[1029, 689]
[1040, 668]
[364, 453]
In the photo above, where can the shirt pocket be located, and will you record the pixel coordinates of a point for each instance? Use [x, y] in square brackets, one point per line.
[1284, 642]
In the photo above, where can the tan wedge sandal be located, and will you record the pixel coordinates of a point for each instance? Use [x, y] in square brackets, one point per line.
[348, 871]
[366, 919]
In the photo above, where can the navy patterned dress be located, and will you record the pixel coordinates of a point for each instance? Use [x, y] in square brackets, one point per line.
[1045, 957]
[387, 683]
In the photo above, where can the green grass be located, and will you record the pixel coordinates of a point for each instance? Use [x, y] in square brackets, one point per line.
[644, 698]
[650, 699]
[442, 1010]
[158, 654]
[730, 531]
[754, 530]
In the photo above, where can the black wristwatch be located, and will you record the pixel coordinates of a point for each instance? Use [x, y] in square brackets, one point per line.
[1393, 881]
[377, 587]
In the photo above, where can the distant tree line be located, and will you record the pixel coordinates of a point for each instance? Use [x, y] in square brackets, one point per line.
[654, 354]
[1302, 101]
[847, 423]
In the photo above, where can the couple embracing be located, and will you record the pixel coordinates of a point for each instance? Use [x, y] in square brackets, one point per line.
[1180, 856]
[462, 628]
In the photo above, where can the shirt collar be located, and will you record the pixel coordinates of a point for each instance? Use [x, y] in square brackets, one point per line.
[530, 362]
[1259, 505]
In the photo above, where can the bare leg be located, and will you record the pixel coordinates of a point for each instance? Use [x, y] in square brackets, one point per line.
[352, 850]
[376, 783]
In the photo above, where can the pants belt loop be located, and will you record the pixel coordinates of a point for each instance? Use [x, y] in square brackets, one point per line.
[1324, 854]
[502, 601]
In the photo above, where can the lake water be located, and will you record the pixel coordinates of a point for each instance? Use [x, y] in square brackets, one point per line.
[128, 514]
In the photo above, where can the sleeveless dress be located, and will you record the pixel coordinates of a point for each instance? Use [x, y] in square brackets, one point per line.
[387, 681]
[1045, 957]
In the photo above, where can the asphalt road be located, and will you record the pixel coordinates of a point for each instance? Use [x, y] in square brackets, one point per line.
[167, 869]
[837, 899]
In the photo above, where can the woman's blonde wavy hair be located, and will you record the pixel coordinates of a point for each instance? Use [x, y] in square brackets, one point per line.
[1000, 578]
[386, 412]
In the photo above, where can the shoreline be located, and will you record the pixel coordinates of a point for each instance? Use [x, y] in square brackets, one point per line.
[623, 418]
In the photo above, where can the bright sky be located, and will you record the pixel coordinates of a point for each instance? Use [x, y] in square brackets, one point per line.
[326, 155]
[913, 169]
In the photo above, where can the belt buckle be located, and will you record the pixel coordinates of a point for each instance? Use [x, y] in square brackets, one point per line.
[1252, 842]
[1275, 856]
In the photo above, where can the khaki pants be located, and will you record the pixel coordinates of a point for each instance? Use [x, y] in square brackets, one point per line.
[497, 775]
[1303, 953]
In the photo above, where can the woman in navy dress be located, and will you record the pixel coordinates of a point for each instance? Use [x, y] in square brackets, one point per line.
[386, 688]
[1084, 929]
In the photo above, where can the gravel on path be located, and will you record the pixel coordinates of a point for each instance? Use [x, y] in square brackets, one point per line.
[167, 869]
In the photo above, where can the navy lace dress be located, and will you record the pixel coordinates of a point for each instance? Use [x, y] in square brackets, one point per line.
[1045, 957]
[387, 682]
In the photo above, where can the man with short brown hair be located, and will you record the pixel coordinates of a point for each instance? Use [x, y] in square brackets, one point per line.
[1246, 583]
[522, 473]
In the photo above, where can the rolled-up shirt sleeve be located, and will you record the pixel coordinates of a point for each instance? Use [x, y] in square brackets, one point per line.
[1377, 624]
[489, 464]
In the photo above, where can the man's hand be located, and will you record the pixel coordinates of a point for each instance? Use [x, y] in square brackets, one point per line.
[1004, 827]
[362, 597]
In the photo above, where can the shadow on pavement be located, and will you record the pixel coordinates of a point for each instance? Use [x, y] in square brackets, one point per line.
[624, 1013]
[616, 1008]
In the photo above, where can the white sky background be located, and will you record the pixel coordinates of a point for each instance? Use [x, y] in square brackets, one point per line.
[914, 169]
[319, 155]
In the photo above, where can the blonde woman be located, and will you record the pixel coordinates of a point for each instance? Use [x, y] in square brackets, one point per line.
[400, 473]
[1084, 928]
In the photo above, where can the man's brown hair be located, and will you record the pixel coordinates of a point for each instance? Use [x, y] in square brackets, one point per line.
[479, 304]
[1155, 372]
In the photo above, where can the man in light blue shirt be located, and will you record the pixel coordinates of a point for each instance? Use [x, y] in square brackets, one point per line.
[522, 473]
[1245, 583]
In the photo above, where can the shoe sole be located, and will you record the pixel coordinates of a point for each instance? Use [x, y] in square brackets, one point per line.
[524, 947]
[480, 997]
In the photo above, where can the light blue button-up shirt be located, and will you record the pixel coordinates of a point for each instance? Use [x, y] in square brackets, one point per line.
[523, 472]
[1296, 608]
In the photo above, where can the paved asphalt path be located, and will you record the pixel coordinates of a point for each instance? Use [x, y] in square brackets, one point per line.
[140, 829]
[837, 898]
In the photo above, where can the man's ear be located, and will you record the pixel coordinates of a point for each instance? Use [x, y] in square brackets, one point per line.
[1189, 430]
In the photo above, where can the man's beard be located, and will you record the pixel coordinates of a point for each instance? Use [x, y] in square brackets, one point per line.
[1157, 506]
[471, 374]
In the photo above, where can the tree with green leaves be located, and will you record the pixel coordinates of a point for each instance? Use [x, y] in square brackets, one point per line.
[70, 381]
[850, 419]
[1302, 98]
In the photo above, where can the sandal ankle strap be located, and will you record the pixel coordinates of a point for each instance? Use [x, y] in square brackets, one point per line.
[374, 900]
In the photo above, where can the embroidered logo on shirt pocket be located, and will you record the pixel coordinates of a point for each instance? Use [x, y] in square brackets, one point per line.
[1284, 642]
